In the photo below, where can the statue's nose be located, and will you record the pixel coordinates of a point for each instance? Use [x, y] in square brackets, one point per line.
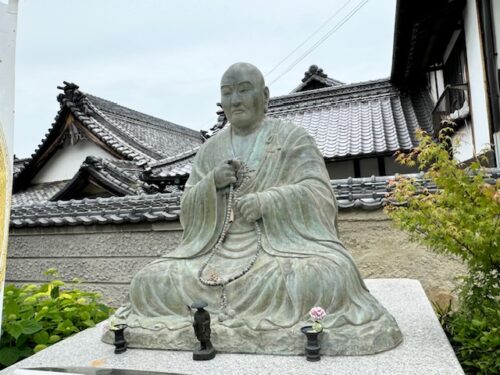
[235, 99]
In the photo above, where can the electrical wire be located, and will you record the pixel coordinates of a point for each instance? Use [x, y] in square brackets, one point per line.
[310, 36]
[322, 39]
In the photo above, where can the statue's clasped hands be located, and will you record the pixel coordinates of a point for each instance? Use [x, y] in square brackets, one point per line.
[248, 205]
[225, 173]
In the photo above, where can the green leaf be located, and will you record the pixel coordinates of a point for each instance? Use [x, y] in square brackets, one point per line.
[54, 338]
[10, 308]
[14, 329]
[25, 351]
[41, 337]
[54, 293]
[89, 323]
[66, 327]
[39, 347]
[9, 356]
[21, 341]
[29, 327]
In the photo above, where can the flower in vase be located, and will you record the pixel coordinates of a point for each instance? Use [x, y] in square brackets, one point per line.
[317, 314]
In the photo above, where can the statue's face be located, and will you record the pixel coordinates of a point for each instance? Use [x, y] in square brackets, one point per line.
[243, 95]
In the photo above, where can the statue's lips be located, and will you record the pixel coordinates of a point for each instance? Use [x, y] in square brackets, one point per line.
[237, 111]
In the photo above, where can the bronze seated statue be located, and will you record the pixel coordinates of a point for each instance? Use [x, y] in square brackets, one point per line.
[260, 245]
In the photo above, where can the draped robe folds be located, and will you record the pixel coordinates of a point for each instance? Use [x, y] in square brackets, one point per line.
[302, 263]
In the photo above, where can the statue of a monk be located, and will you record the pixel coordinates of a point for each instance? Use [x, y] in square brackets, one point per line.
[260, 245]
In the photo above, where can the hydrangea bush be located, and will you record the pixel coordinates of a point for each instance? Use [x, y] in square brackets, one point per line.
[37, 316]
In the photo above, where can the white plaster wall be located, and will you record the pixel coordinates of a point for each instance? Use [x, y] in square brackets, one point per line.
[65, 163]
[464, 150]
[477, 77]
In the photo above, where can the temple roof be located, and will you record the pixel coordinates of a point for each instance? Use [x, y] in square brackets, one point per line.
[19, 164]
[357, 119]
[315, 78]
[124, 133]
[113, 210]
[172, 170]
[422, 31]
[111, 177]
[366, 193]
[362, 119]
[37, 193]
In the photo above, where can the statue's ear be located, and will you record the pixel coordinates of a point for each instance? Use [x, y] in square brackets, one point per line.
[266, 99]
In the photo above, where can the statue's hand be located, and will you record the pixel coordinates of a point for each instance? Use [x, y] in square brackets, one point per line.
[225, 173]
[249, 207]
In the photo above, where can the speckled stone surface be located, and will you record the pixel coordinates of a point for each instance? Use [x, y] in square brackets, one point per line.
[425, 349]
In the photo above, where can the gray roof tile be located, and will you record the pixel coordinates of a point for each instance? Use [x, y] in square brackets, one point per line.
[37, 193]
[156, 207]
[366, 193]
[130, 134]
[365, 118]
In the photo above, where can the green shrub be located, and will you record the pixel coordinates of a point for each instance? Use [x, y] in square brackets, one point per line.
[461, 218]
[35, 317]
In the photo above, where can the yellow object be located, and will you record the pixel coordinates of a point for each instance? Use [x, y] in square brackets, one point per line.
[5, 190]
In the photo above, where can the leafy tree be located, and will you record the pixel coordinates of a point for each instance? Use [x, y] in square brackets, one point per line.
[460, 216]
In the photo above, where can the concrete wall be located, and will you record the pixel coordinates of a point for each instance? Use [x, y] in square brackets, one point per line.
[106, 257]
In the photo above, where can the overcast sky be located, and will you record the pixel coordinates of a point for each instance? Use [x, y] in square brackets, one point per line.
[165, 58]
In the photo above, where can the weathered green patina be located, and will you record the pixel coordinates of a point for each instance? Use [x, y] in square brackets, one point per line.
[280, 246]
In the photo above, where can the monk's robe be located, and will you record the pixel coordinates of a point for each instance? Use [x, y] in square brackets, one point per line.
[302, 263]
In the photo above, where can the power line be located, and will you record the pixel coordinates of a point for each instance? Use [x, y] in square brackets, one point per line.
[322, 39]
[309, 37]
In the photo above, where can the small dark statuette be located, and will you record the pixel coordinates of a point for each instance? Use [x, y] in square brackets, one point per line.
[120, 343]
[204, 350]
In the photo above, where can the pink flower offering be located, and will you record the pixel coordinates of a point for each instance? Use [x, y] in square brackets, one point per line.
[317, 313]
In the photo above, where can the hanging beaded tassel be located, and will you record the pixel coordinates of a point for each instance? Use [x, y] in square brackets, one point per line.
[215, 279]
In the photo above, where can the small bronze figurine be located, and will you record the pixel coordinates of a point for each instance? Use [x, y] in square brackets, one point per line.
[120, 342]
[204, 351]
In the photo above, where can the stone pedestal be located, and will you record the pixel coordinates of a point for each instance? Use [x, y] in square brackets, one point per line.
[425, 349]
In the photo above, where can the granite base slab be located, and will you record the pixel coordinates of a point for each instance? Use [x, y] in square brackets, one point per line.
[425, 349]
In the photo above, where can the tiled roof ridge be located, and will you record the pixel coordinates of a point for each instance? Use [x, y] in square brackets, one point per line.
[347, 87]
[142, 147]
[100, 200]
[322, 97]
[72, 100]
[314, 73]
[332, 96]
[165, 126]
[101, 164]
[174, 158]
[55, 123]
[116, 178]
[113, 210]
[76, 102]
[20, 160]
[367, 193]
[21, 164]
